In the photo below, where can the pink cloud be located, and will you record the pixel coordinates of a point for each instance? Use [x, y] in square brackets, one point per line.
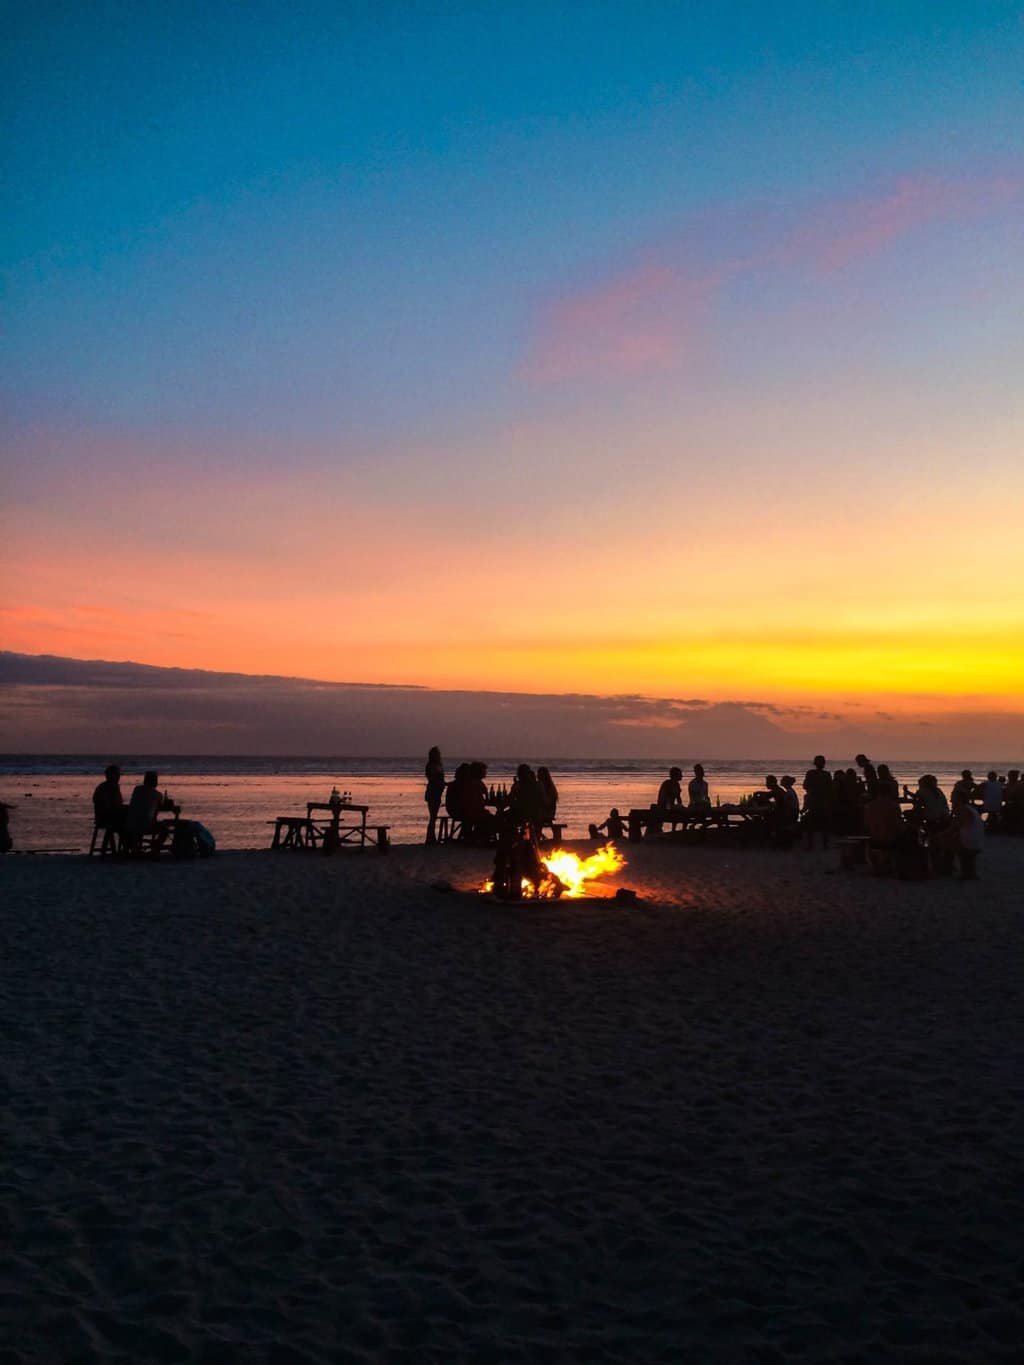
[641, 322]
[844, 229]
[652, 317]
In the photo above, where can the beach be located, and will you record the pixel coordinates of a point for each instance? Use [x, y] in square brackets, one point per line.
[281, 1107]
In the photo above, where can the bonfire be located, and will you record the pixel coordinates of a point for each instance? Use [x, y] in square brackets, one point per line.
[521, 872]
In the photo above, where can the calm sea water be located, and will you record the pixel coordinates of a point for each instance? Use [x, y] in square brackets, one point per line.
[236, 797]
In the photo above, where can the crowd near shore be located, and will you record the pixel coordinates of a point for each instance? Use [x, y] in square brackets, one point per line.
[830, 802]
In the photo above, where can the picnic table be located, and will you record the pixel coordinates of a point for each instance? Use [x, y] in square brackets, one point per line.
[321, 827]
[721, 817]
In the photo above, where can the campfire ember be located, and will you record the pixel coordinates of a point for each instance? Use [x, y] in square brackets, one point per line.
[549, 877]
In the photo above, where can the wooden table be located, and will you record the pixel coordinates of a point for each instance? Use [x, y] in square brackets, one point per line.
[332, 831]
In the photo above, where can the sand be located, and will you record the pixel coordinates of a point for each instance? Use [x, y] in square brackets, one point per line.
[278, 1107]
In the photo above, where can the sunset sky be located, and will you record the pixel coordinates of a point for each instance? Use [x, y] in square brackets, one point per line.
[661, 349]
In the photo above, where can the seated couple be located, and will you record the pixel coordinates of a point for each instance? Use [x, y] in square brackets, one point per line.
[132, 822]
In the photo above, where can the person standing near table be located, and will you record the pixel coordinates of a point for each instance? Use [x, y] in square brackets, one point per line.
[434, 773]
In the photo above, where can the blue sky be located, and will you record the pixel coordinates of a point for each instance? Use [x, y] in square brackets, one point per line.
[343, 216]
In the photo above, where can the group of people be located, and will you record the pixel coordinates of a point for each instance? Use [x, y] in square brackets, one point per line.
[532, 799]
[863, 800]
[133, 821]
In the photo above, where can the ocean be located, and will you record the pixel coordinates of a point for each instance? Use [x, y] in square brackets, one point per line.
[237, 797]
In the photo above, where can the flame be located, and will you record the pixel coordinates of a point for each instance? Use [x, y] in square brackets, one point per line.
[568, 875]
[574, 873]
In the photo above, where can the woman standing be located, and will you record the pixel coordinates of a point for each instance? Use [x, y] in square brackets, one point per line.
[434, 773]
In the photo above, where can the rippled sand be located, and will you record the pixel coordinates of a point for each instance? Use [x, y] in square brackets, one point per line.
[290, 1108]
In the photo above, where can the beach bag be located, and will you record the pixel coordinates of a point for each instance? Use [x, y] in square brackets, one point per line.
[192, 840]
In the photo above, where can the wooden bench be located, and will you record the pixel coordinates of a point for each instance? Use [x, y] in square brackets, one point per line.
[290, 831]
[379, 836]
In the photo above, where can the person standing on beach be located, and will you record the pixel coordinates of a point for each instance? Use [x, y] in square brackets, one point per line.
[434, 773]
[817, 801]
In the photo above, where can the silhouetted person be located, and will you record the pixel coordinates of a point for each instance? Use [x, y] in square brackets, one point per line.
[965, 837]
[670, 798]
[614, 826]
[141, 816]
[108, 805]
[844, 811]
[931, 809]
[887, 781]
[884, 823]
[698, 791]
[525, 800]
[434, 793]
[455, 790]
[790, 804]
[965, 786]
[670, 793]
[869, 775]
[548, 797]
[1013, 803]
[6, 842]
[478, 823]
[991, 793]
[817, 801]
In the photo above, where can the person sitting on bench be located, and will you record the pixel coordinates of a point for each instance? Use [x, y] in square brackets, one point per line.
[108, 803]
[143, 809]
[965, 837]
[478, 823]
[614, 826]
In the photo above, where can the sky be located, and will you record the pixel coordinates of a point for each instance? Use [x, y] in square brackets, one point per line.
[651, 350]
